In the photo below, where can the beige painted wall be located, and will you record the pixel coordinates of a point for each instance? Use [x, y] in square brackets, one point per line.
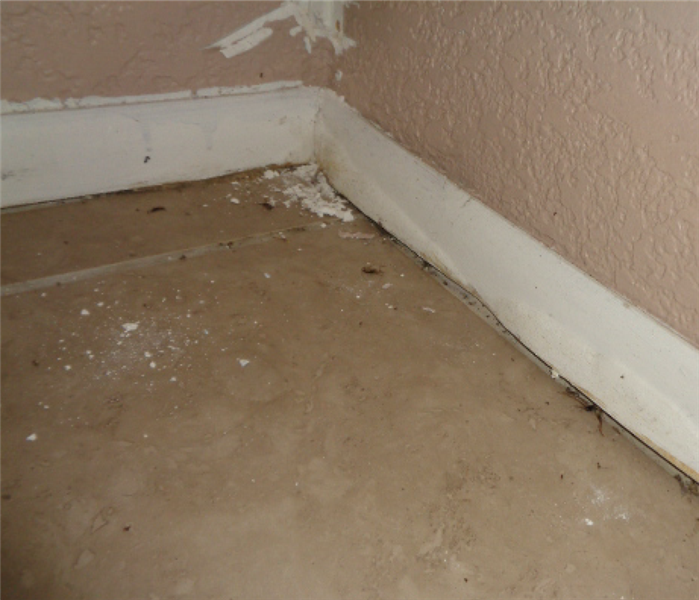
[578, 122]
[78, 49]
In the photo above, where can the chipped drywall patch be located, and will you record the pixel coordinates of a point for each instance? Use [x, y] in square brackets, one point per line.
[107, 50]
[252, 34]
[317, 19]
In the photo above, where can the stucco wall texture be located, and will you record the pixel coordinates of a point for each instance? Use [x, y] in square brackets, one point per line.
[579, 122]
[77, 49]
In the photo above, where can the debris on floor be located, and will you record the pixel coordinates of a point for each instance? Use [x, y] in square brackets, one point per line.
[262, 421]
[370, 269]
[313, 192]
[355, 235]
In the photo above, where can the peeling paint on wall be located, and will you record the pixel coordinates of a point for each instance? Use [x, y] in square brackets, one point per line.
[576, 121]
[112, 49]
[317, 19]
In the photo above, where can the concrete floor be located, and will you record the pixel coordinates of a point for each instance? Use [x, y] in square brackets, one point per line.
[305, 414]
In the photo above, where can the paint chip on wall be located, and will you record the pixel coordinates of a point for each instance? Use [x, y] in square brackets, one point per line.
[317, 19]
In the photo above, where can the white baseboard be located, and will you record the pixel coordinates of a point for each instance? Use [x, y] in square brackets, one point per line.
[643, 374]
[67, 153]
[640, 372]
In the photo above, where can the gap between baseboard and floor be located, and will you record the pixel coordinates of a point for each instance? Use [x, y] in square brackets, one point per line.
[644, 375]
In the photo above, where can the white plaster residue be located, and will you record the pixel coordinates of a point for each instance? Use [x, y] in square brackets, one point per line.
[247, 43]
[307, 44]
[243, 362]
[44, 105]
[94, 101]
[247, 37]
[32, 437]
[317, 19]
[35, 105]
[127, 327]
[314, 193]
[355, 235]
[606, 502]
[272, 86]
[599, 497]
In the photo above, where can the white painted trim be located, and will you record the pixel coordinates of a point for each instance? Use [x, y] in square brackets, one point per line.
[582, 330]
[640, 372]
[94, 149]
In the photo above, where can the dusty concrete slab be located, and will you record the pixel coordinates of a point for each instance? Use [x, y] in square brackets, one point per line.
[312, 417]
[49, 239]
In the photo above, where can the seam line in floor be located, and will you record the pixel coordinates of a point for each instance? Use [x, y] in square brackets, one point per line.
[40, 283]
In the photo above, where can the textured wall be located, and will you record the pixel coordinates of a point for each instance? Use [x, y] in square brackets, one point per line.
[578, 122]
[77, 49]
